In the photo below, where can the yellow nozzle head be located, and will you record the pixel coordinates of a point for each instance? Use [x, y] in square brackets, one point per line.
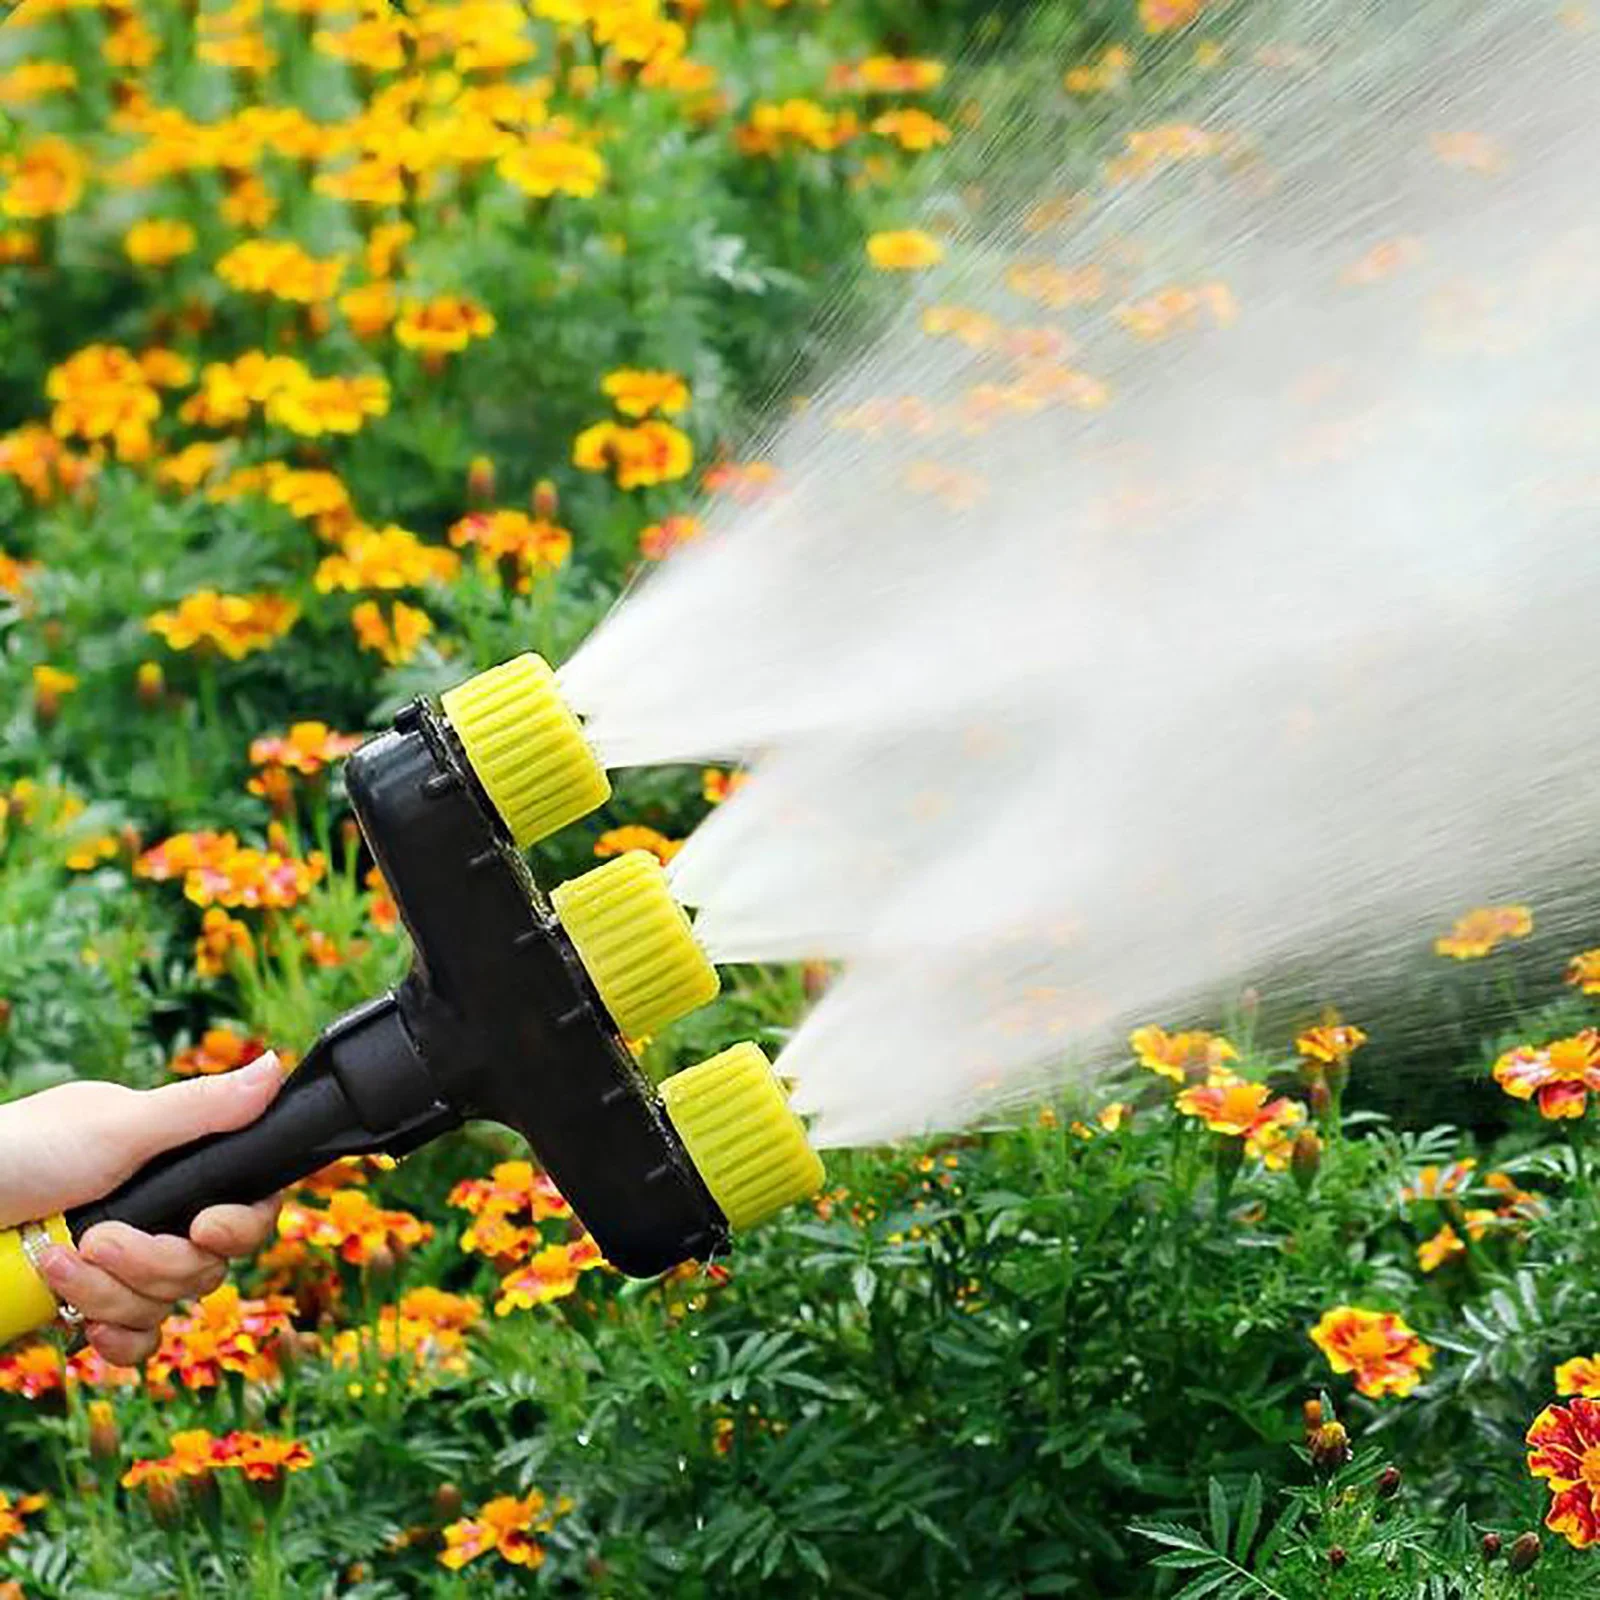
[26, 1303]
[751, 1150]
[526, 747]
[635, 943]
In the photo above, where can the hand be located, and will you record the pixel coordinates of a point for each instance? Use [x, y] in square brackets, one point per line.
[75, 1143]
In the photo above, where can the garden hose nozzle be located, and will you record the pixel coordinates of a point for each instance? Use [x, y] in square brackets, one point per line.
[517, 1008]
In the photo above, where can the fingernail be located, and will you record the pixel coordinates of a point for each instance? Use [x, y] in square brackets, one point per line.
[263, 1067]
[57, 1263]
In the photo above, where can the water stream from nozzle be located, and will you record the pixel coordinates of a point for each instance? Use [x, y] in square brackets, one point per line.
[1197, 572]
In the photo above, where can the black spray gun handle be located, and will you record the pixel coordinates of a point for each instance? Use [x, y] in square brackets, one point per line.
[361, 1090]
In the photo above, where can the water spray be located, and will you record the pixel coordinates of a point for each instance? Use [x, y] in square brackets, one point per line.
[517, 1009]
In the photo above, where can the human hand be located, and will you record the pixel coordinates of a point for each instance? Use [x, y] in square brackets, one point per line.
[75, 1143]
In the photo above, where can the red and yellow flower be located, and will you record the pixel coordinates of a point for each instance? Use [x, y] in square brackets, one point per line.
[445, 325]
[1239, 1109]
[552, 1274]
[1385, 1355]
[1564, 1450]
[12, 1513]
[1580, 1376]
[218, 1050]
[634, 836]
[223, 1332]
[353, 1227]
[1484, 929]
[651, 453]
[1558, 1076]
[1181, 1056]
[506, 1527]
[636, 393]
[1330, 1043]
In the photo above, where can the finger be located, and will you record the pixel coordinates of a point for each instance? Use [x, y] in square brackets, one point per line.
[161, 1119]
[161, 1266]
[123, 1347]
[235, 1230]
[99, 1296]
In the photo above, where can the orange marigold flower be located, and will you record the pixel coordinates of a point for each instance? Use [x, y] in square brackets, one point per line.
[775, 125]
[1330, 1042]
[1561, 1074]
[446, 324]
[229, 389]
[385, 558]
[1167, 16]
[158, 241]
[193, 1455]
[507, 1208]
[1580, 1376]
[260, 879]
[550, 1275]
[659, 539]
[262, 1459]
[1583, 971]
[911, 129]
[1385, 1355]
[12, 1513]
[219, 1049]
[329, 405]
[45, 179]
[312, 494]
[505, 1526]
[744, 481]
[223, 940]
[1159, 314]
[1234, 1106]
[890, 75]
[531, 543]
[189, 467]
[904, 250]
[651, 453]
[307, 748]
[1564, 1449]
[371, 308]
[177, 856]
[547, 164]
[1482, 929]
[32, 1370]
[717, 785]
[1445, 1245]
[1436, 1183]
[638, 393]
[222, 1332]
[426, 1330]
[41, 463]
[377, 43]
[1181, 1056]
[281, 270]
[1171, 143]
[381, 907]
[617, 841]
[395, 636]
[353, 1227]
[102, 393]
[235, 625]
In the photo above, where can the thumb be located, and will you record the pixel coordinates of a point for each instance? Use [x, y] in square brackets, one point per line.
[161, 1119]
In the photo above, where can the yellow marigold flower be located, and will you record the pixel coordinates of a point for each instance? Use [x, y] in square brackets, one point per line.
[1110, 72]
[377, 43]
[617, 841]
[18, 247]
[353, 1227]
[1167, 16]
[385, 558]
[1180, 1056]
[373, 181]
[904, 250]
[1583, 971]
[329, 405]
[1239, 1109]
[370, 309]
[229, 389]
[46, 179]
[1564, 1449]
[33, 80]
[717, 785]
[911, 129]
[1482, 930]
[1581, 1375]
[547, 164]
[48, 680]
[312, 494]
[12, 1513]
[1561, 1074]
[220, 1049]
[158, 241]
[552, 1274]
[223, 940]
[531, 543]
[248, 204]
[637, 394]
[242, 52]
[444, 325]
[1384, 1354]
[87, 854]
[427, 1335]
[394, 637]
[235, 625]
[1330, 1042]
[166, 369]
[660, 539]
[652, 452]
[384, 245]
[504, 1527]
[102, 393]
[1445, 1245]
[131, 45]
[775, 125]
[280, 269]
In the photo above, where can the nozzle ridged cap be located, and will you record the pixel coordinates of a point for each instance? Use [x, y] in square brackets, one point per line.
[526, 747]
[635, 943]
[733, 1116]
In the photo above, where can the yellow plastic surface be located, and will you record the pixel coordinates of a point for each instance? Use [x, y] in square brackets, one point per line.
[26, 1303]
[635, 943]
[526, 747]
[733, 1115]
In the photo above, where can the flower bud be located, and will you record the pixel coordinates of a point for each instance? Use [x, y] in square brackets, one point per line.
[1313, 1414]
[1490, 1546]
[546, 502]
[165, 1499]
[447, 1502]
[480, 481]
[1320, 1099]
[1337, 1557]
[1388, 1485]
[151, 682]
[1524, 1552]
[105, 1443]
[1330, 1447]
[1306, 1158]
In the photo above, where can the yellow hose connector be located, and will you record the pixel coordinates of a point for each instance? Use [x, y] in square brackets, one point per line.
[747, 1145]
[26, 1303]
[526, 747]
[635, 943]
